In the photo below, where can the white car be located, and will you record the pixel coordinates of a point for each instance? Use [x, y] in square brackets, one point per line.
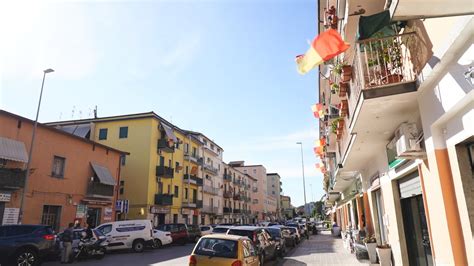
[131, 234]
[161, 238]
[205, 230]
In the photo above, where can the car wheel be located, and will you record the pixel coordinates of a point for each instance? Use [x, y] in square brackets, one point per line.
[157, 243]
[196, 239]
[26, 257]
[138, 246]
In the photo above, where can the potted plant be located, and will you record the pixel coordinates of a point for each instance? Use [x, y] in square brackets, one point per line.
[334, 125]
[340, 123]
[343, 88]
[371, 244]
[334, 88]
[384, 252]
[344, 70]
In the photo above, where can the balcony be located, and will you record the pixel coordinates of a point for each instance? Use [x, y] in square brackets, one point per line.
[165, 145]
[98, 190]
[237, 182]
[186, 204]
[227, 194]
[164, 199]
[217, 210]
[193, 158]
[211, 190]
[227, 178]
[189, 179]
[164, 171]
[236, 211]
[12, 178]
[237, 197]
[419, 9]
[210, 169]
[227, 210]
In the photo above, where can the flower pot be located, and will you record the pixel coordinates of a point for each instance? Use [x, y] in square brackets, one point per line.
[340, 124]
[372, 253]
[385, 256]
[346, 73]
[343, 87]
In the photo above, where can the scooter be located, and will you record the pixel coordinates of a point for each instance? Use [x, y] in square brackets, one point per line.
[91, 248]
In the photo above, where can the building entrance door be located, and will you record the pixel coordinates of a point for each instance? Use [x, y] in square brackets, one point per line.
[93, 216]
[414, 221]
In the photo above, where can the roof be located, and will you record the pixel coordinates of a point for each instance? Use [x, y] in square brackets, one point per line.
[245, 228]
[59, 131]
[13, 150]
[273, 174]
[226, 237]
[191, 132]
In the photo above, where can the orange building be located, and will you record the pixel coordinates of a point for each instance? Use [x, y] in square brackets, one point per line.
[71, 178]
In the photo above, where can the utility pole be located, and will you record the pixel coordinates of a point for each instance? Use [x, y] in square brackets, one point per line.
[302, 168]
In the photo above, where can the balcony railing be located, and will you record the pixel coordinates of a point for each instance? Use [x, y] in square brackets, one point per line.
[237, 197]
[164, 199]
[210, 169]
[236, 211]
[227, 178]
[12, 178]
[191, 179]
[164, 171]
[96, 189]
[383, 63]
[211, 190]
[227, 210]
[217, 210]
[187, 204]
[227, 194]
[236, 182]
[165, 145]
[193, 158]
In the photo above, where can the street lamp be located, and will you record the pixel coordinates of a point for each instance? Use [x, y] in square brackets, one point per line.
[302, 168]
[20, 217]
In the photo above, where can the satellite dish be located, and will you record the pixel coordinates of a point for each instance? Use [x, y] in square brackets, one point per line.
[325, 70]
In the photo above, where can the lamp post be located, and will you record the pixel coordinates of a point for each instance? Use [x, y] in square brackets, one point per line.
[28, 164]
[302, 168]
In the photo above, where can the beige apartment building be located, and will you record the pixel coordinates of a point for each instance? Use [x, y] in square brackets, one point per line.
[286, 208]
[237, 196]
[274, 189]
[399, 127]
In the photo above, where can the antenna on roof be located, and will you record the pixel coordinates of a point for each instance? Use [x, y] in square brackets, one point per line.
[80, 114]
[73, 110]
[95, 112]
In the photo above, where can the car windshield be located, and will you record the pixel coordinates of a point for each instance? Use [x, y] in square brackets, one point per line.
[274, 232]
[98, 233]
[291, 229]
[220, 230]
[215, 247]
[238, 232]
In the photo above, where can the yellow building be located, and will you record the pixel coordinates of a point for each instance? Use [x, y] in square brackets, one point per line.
[161, 178]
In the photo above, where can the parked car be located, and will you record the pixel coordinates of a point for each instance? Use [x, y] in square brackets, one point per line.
[224, 250]
[26, 244]
[194, 232]
[161, 238]
[221, 229]
[261, 238]
[131, 234]
[280, 240]
[301, 230]
[205, 229]
[179, 232]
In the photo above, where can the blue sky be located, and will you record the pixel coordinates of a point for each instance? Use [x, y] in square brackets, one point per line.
[225, 68]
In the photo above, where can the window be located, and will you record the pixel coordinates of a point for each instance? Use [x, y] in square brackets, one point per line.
[273, 192]
[254, 171]
[123, 132]
[177, 167]
[105, 229]
[122, 159]
[51, 216]
[205, 142]
[186, 148]
[58, 167]
[175, 218]
[177, 143]
[194, 152]
[102, 133]
[176, 191]
[212, 146]
[169, 189]
[187, 170]
[218, 151]
[185, 193]
[121, 191]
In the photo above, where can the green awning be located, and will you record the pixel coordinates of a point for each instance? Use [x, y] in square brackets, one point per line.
[369, 25]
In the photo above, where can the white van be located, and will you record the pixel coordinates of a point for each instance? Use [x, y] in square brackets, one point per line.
[134, 234]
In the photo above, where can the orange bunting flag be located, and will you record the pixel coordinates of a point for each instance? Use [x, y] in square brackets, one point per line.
[321, 167]
[319, 142]
[318, 110]
[325, 46]
[319, 150]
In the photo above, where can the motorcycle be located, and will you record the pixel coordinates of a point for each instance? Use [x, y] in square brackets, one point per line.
[91, 248]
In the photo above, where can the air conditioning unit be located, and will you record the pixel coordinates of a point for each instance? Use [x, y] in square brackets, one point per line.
[406, 142]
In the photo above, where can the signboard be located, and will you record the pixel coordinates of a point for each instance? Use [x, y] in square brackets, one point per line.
[81, 211]
[5, 197]
[121, 206]
[107, 214]
[155, 210]
[10, 216]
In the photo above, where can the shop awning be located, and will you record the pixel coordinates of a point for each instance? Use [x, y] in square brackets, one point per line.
[103, 174]
[13, 150]
[169, 132]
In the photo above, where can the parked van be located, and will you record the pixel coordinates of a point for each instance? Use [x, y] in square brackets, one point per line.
[133, 234]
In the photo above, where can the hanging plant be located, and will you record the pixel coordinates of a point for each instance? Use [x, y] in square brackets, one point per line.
[334, 88]
[334, 124]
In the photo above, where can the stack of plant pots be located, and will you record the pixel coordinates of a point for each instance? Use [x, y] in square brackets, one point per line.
[346, 73]
[343, 88]
[343, 108]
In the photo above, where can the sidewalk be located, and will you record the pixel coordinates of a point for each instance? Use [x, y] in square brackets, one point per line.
[321, 249]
